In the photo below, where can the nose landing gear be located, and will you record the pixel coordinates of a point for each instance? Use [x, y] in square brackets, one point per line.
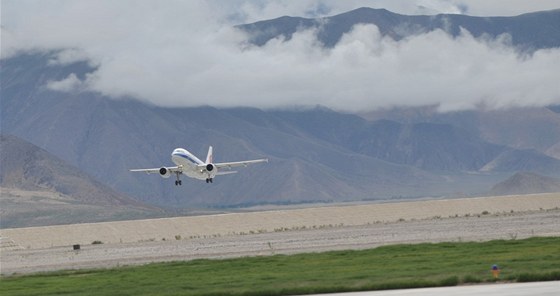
[209, 180]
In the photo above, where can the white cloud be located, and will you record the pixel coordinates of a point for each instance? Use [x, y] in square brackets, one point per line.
[68, 56]
[68, 84]
[504, 7]
[186, 53]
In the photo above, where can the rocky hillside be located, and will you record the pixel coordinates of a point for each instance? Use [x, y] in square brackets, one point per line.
[41, 189]
[525, 183]
[28, 167]
[315, 154]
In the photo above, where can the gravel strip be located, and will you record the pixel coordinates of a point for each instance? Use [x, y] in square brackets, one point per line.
[472, 228]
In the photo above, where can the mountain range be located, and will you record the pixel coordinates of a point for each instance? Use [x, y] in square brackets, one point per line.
[316, 154]
[528, 31]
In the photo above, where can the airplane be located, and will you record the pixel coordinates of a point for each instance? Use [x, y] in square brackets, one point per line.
[188, 164]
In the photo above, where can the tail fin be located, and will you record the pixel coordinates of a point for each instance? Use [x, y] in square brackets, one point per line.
[209, 157]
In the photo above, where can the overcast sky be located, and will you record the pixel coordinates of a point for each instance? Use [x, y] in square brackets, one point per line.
[187, 53]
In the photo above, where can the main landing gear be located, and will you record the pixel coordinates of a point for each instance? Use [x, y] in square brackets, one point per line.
[209, 180]
[178, 181]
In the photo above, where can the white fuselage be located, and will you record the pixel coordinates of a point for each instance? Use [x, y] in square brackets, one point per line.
[192, 166]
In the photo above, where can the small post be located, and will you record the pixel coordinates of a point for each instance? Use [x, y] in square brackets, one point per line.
[495, 271]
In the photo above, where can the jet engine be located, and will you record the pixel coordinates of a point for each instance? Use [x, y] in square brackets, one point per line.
[209, 167]
[164, 172]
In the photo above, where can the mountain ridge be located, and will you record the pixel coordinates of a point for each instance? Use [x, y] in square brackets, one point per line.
[528, 31]
[338, 157]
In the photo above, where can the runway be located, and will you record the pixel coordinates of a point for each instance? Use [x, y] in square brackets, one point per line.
[513, 289]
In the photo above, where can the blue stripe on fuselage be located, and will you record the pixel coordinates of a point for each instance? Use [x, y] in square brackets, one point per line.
[187, 158]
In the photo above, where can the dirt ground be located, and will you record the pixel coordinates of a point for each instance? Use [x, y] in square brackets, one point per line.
[28, 250]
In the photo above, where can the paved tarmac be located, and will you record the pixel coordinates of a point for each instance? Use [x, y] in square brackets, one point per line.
[513, 289]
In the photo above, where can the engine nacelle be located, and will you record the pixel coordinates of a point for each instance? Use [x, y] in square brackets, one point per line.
[164, 172]
[209, 167]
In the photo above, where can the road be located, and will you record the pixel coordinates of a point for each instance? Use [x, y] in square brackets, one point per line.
[514, 289]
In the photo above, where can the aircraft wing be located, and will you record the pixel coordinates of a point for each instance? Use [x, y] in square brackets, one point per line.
[229, 165]
[225, 173]
[156, 170]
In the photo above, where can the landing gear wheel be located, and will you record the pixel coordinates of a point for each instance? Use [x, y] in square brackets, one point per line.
[178, 181]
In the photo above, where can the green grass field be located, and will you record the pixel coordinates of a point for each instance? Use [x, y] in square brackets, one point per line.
[389, 267]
